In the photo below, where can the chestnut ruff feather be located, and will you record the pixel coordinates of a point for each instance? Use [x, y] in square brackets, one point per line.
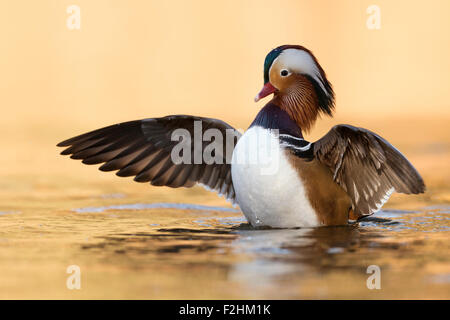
[308, 98]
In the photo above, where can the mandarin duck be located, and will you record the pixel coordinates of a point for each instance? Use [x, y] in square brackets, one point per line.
[276, 177]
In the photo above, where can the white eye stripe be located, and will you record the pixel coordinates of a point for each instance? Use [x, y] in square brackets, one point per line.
[300, 61]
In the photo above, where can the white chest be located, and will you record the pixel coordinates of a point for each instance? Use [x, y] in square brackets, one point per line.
[268, 189]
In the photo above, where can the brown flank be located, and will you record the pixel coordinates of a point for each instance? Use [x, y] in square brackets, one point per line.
[330, 202]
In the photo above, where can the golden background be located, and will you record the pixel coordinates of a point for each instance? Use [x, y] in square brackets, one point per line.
[139, 59]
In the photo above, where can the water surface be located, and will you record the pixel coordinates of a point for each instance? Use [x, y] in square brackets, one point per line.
[134, 241]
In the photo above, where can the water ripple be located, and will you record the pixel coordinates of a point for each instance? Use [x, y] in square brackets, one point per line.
[159, 205]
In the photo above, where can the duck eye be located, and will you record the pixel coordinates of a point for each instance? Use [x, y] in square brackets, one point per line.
[284, 73]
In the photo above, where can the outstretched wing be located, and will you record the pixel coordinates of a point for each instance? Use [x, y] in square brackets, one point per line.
[143, 148]
[367, 167]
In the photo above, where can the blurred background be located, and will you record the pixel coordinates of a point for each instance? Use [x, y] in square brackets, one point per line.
[138, 59]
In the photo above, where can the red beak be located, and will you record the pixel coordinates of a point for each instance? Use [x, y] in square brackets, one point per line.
[265, 91]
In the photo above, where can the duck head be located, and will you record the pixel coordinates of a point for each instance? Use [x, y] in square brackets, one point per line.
[299, 84]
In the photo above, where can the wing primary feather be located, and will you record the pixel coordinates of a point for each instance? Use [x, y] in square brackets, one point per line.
[366, 166]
